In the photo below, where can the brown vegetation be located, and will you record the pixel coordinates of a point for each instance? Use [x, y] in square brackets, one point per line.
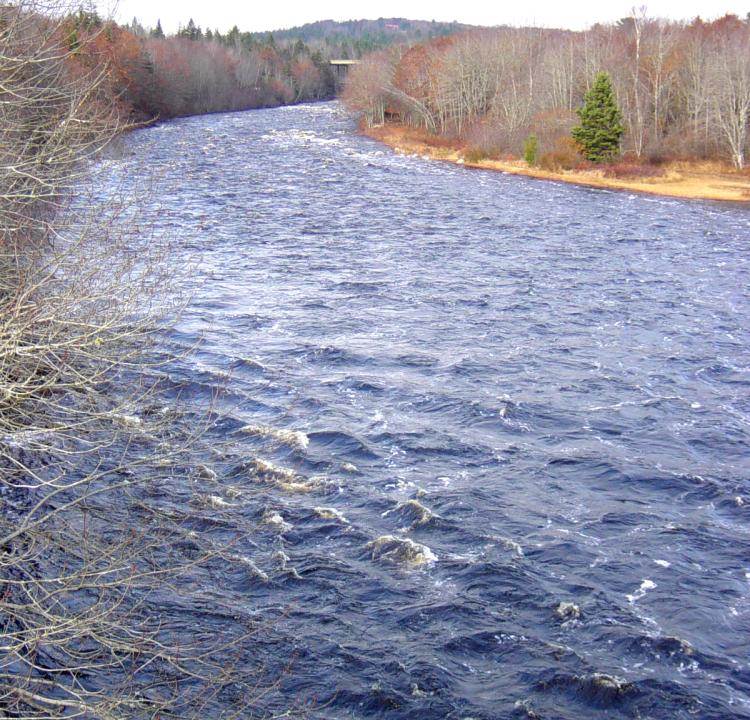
[683, 90]
[85, 552]
[151, 76]
[682, 179]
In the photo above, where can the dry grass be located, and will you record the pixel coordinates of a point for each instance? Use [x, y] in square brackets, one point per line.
[691, 180]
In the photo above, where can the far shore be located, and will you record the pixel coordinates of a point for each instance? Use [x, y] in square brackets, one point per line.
[694, 180]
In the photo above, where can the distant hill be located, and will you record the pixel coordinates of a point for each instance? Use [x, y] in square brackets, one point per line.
[352, 38]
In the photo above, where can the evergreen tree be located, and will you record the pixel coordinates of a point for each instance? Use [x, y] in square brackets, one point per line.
[601, 127]
[136, 28]
[232, 38]
[191, 31]
[157, 32]
[531, 149]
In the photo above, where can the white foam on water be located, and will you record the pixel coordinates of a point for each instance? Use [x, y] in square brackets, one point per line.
[330, 513]
[568, 611]
[514, 546]
[414, 509]
[250, 565]
[268, 470]
[216, 502]
[293, 438]
[287, 479]
[401, 550]
[206, 473]
[275, 519]
[129, 421]
[644, 587]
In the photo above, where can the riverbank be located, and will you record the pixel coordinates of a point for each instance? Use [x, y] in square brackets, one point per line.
[695, 181]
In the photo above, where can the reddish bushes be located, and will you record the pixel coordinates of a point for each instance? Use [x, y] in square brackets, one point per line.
[166, 77]
[565, 156]
[630, 169]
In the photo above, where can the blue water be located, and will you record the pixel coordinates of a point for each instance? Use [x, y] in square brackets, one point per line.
[507, 395]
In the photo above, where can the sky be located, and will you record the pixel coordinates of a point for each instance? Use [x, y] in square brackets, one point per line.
[274, 14]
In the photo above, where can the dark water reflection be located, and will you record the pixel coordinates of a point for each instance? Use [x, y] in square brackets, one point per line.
[507, 395]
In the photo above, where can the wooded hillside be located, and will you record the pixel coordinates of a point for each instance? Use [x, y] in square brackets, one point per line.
[202, 70]
[683, 89]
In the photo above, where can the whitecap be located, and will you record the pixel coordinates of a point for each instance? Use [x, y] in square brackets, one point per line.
[274, 518]
[400, 550]
[285, 478]
[216, 502]
[330, 513]
[270, 471]
[568, 611]
[130, 421]
[645, 586]
[250, 565]
[205, 473]
[412, 510]
[293, 438]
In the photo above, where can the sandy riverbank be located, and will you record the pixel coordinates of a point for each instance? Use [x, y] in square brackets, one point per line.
[704, 181]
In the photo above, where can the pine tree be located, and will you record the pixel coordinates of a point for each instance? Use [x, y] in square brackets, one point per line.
[191, 31]
[601, 127]
[157, 32]
[531, 149]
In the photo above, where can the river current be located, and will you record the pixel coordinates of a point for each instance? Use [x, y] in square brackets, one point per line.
[491, 434]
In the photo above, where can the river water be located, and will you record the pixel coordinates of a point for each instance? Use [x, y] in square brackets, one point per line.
[490, 433]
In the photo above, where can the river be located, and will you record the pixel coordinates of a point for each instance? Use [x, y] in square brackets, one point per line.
[491, 433]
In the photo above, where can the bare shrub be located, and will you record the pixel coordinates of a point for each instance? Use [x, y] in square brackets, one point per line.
[634, 170]
[488, 140]
[87, 556]
[565, 156]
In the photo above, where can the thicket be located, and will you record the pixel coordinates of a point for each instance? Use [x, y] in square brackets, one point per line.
[192, 72]
[95, 607]
[682, 88]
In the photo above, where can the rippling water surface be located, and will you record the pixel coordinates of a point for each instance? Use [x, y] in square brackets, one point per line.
[491, 433]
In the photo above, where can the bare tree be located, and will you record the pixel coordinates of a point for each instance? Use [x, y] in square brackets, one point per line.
[369, 86]
[85, 554]
[682, 89]
[731, 92]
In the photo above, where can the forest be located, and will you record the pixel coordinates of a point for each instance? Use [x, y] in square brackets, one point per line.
[682, 89]
[354, 38]
[195, 71]
[152, 75]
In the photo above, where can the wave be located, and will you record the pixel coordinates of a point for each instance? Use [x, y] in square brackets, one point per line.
[413, 512]
[294, 438]
[329, 513]
[401, 551]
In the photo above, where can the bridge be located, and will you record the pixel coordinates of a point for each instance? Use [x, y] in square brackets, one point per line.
[340, 69]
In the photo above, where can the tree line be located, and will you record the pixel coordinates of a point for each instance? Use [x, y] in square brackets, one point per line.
[153, 75]
[351, 39]
[198, 70]
[681, 89]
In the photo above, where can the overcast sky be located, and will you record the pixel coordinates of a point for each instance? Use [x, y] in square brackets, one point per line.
[274, 14]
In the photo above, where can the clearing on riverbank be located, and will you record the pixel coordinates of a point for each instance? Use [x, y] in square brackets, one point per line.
[697, 181]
